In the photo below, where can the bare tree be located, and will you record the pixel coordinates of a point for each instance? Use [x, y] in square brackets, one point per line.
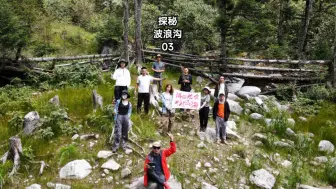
[284, 4]
[138, 54]
[304, 30]
[126, 17]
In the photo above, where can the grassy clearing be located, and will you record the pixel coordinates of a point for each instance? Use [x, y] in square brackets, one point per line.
[77, 101]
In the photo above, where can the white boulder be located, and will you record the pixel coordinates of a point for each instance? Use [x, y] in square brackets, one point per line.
[250, 90]
[208, 186]
[139, 184]
[326, 146]
[262, 178]
[111, 165]
[256, 116]
[290, 132]
[104, 154]
[236, 85]
[232, 96]
[77, 169]
[34, 186]
[235, 107]
[125, 172]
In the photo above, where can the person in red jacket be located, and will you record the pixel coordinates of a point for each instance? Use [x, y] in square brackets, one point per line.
[156, 168]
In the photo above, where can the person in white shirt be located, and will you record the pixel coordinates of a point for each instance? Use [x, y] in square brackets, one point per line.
[142, 87]
[221, 87]
[167, 110]
[122, 77]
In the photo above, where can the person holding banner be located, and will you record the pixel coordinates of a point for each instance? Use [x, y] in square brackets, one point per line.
[204, 109]
[142, 86]
[185, 80]
[221, 114]
[167, 110]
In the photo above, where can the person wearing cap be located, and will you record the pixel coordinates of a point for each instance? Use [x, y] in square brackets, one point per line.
[158, 68]
[122, 77]
[204, 109]
[221, 87]
[156, 167]
[142, 87]
[221, 113]
[122, 111]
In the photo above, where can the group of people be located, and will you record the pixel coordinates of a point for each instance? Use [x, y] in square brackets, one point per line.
[156, 169]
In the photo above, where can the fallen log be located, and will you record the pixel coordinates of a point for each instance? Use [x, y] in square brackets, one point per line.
[47, 59]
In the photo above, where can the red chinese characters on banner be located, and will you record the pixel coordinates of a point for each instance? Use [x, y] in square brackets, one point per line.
[186, 100]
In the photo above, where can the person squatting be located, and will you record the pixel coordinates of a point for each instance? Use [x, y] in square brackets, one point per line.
[156, 168]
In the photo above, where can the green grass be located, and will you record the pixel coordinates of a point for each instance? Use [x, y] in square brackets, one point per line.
[323, 125]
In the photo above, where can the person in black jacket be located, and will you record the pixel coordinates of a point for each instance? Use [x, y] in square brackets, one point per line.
[221, 114]
[185, 80]
[221, 87]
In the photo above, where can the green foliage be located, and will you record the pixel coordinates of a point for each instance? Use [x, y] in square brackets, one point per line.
[298, 173]
[317, 92]
[110, 33]
[46, 133]
[15, 99]
[100, 122]
[311, 107]
[13, 31]
[256, 162]
[4, 170]
[304, 145]
[67, 154]
[330, 173]
[240, 150]
[28, 152]
[16, 122]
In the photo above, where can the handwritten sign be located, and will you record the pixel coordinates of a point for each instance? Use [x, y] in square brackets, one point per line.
[186, 100]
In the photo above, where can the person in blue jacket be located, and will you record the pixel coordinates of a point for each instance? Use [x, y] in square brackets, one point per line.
[122, 111]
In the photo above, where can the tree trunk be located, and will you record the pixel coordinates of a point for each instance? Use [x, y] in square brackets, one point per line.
[138, 57]
[282, 18]
[223, 30]
[333, 63]
[304, 30]
[126, 17]
[14, 152]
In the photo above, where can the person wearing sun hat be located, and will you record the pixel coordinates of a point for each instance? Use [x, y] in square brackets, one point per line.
[158, 68]
[221, 114]
[122, 111]
[204, 109]
[122, 77]
[156, 167]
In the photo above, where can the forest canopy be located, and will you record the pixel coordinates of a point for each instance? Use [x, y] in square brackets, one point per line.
[251, 28]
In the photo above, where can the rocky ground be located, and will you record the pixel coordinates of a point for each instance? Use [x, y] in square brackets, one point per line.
[265, 150]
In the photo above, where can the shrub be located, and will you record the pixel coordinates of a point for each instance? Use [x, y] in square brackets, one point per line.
[240, 150]
[16, 122]
[67, 154]
[28, 152]
[256, 162]
[46, 133]
[330, 173]
[100, 122]
[303, 145]
[4, 169]
[298, 173]
[317, 92]
[279, 124]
